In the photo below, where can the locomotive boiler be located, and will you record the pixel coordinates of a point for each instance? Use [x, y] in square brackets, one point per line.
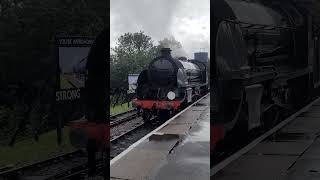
[168, 84]
[265, 59]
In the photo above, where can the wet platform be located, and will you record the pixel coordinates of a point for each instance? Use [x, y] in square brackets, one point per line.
[179, 149]
[290, 153]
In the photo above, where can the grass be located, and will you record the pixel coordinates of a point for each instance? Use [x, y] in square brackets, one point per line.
[28, 151]
[64, 84]
[120, 108]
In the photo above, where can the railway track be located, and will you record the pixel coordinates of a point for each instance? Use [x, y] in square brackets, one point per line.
[121, 114]
[68, 166]
[73, 164]
[79, 172]
[46, 168]
[123, 117]
[127, 128]
[121, 142]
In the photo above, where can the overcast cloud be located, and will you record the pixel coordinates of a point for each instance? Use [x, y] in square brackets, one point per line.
[187, 20]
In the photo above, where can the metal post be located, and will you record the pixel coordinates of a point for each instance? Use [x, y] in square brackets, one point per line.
[91, 149]
[106, 164]
[59, 127]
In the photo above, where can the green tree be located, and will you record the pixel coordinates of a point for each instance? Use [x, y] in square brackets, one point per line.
[28, 28]
[27, 31]
[132, 54]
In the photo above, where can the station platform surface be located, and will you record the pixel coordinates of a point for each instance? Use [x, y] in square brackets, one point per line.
[290, 153]
[179, 149]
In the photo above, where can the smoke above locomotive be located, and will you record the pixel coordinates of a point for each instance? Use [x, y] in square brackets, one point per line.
[187, 21]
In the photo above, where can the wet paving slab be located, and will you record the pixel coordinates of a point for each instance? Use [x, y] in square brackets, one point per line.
[179, 150]
[256, 167]
[190, 159]
[292, 153]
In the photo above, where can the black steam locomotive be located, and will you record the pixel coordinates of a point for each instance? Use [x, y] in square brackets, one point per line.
[169, 84]
[265, 58]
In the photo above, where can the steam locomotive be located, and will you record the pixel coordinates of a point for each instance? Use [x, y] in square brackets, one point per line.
[265, 58]
[168, 84]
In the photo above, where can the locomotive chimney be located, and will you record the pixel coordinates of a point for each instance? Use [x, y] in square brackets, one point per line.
[166, 52]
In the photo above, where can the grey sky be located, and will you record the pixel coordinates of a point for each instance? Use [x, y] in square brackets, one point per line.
[187, 20]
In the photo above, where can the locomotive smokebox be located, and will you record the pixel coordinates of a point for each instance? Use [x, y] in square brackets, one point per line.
[166, 52]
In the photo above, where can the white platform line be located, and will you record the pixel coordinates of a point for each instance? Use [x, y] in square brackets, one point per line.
[247, 148]
[115, 159]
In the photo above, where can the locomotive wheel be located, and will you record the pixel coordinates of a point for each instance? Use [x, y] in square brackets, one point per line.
[238, 127]
[164, 114]
[146, 115]
[240, 130]
[235, 110]
[138, 112]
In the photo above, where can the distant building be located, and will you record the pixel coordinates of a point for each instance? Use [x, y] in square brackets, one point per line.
[201, 56]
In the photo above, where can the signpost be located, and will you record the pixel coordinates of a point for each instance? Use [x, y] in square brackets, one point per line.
[71, 58]
[72, 55]
[132, 81]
